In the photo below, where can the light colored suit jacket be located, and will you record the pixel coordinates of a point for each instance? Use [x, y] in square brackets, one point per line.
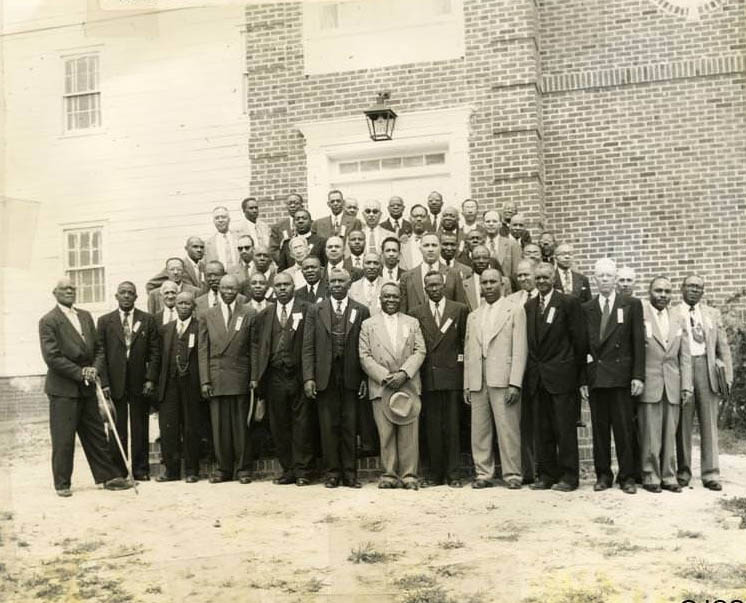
[716, 342]
[668, 364]
[507, 349]
[379, 358]
[259, 232]
[410, 256]
[211, 250]
[372, 301]
[508, 252]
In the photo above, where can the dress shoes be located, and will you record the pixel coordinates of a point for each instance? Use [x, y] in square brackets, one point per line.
[682, 482]
[654, 488]
[563, 487]
[244, 479]
[411, 485]
[672, 487]
[142, 477]
[455, 483]
[219, 479]
[430, 483]
[118, 483]
[331, 482]
[191, 479]
[167, 478]
[284, 480]
[600, 486]
[713, 485]
[630, 488]
[541, 485]
[478, 484]
[64, 492]
[352, 483]
[387, 485]
[514, 484]
[302, 481]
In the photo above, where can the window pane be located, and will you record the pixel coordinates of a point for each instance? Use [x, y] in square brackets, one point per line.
[329, 18]
[435, 159]
[349, 167]
[69, 75]
[391, 163]
[370, 165]
[413, 161]
[81, 79]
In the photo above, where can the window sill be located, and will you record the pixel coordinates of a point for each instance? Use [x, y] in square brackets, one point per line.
[82, 134]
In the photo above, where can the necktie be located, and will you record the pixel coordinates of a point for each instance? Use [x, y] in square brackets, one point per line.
[228, 249]
[567, 285]
[435, 223]
[313, 290]
[492, 247]
[437, 315]
[214, 301]
[396, 226]
[336, 226]
[127, 330]
[371, 241]
[230, 315]
[339, 307]
[357, 262]
[541, 303]
[605, 317]
[697, 333]
[391, 275]
[180, 329]
[283, 315]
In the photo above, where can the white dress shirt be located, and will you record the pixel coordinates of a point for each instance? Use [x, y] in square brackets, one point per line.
[72, 315]
[661, 317]
[602, 301]
[213, 298]
[441, 306]
[288, 309]
[357, 260]
[182, 325]
[169, 314]
[224, 310]
[225, 249]
[694, 314]
[547, 297]
[258, 305]
[335, 303]
[392, 328]
[565, 279]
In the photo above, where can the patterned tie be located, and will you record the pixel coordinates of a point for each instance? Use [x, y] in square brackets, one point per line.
[339, 307]
[605, 318]
[567, 285]
[391, 275]
[396, 226]
[283, 316]
[492, 247]
[336, 225]
[127, 331]
[180, 329]
[230, 315]
[697, 333]
[541, 303]
[437, 316]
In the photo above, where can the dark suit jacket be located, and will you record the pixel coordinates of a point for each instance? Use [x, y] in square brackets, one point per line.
[127, 375]
[168, 333]
[323, 226]
[557, 349]
[525, 237]
[413, 293]
[443, 368]
[190, 276]
[581, 288]
[349, 267]
[317, 249]
[261, 337]
[278, 233]
[405, 226]
[65, 352]
[322, 292]
[225, 354]
[620, 356]
[155, 301]
[355, 273]
[317, 345]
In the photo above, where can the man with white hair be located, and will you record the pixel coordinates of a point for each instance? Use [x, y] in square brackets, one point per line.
[298, 250]
[504, 249]
[566, 279]
[223, 244]
[615, 372]
[625, 282]
[374, 234]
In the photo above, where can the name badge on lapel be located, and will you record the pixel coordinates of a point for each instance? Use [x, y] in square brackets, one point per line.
[191, 340]
[319, 300]
[342, 230]
[353, 315]
[136, 328]
[620, 316]
[550, 316]
[648, 329]
[239, 322]
[446, 324]
[678, 333]
[269, 293]
[285, 235]
[297, 317]
[588, 359]
[310, 246]
[460, 358]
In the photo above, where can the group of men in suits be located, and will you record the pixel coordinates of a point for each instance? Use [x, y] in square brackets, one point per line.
[375, 332]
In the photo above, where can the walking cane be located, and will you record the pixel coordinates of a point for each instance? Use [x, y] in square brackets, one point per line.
[251, 408]
[103, 402]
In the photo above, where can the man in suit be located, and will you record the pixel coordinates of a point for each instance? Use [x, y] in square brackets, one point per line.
[193, 267]
[469, 215]
[568, 280]
[334, 378]
[316, 288]
[708, 345]
[316, 244]
[222, 244]
[277, 374]
[668, 387]
[71, 350]
[449, 224]
[169, 291]
[390, 255]
[245, 265]
[395, 222]
[253, 226]
[392, 351]
[449, 245]
[495, 352]
[434, 205]
[175, 270]
[225, 371]
[214, 273]
[507, 211]
[556, 357]
[615, 373]
[259, 295]
[473, 239]
[443, 325]
[481, 260]
[180, 411]
[413, 281]
[356, 243]
[374, 234]
[284, 229]
[367, 290]
[129, 374]
[335, 248]
[263, 263]
[526, 281]
[411, 256]
[337, 223]
[504, 249]
[518, 231]
[547, 243]
[625, 282]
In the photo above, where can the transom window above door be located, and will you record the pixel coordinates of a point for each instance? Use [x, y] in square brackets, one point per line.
[386, 164]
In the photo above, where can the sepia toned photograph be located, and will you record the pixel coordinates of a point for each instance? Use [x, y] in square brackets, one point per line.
[361, 301]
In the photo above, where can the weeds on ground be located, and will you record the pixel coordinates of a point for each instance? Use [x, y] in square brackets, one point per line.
[367, 553]
[373, 525]
[573, 589]
[689, 534]
[607, 521]
[617, 549]
[737, 506]
[451, 542]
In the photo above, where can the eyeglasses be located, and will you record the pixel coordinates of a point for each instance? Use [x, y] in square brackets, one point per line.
[372, 211]
[245, 247]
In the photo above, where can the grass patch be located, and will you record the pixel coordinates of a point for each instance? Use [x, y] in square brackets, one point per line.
[314, 585]
[689, 534]
[430, 594]
[367, 553]
[509, 537]
[415, 581]
[451, 542]
[450, 571]
[81, 548]
[607, 521]
[737, 506]
[721, 575]
[6, 515]
[618, 549]
[373, 525]
[572, 589]
[731, 441]
[328, 518]
[154, 590]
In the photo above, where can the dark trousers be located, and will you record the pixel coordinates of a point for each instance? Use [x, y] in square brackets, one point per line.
[367, 430]
[528, 439]
[179, 420]
[443, 434]
[230, 435]
[138, 429]
[68, 416]
[611, 408]
[337, 410]
[289, 421]
[557, 437]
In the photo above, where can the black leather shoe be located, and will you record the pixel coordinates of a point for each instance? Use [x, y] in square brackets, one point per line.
[352, 483]
[654, 488]
[563, 487]
[118, 483]
[430, 483]
[167, 478]
[302, 481]
[630, 488]
[331, 482]
[64, 492]
[142, 477]
[284, 480]
[600, 486]
[455, 483]
[191, 479]
[682, 482]
[219, 479]
[386, 485]
[671, 487]
[514, 484]
[411, 485]
[541, 485]
[713, 485]
[244, 479]
[478, 484]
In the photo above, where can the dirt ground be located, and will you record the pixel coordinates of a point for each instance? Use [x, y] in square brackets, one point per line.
[259, 542]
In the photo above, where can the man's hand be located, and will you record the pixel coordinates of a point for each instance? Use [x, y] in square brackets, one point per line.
[107, 392]
[253, 385]
[584, 393]
[637, 387]
[89, 373]
[148, 389]
[395, 380]
[206, 391]
[513, 395]
[686, 397]
[362, 391]
[467, 397]
[309, 387]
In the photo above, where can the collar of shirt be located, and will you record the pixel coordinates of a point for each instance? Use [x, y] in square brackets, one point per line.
[130, 313]
[168, 313]
[335, 303]
[225, 306]
[441, 305]
[313, 289]
[193, 263]
[213, 298]
[183, 325]
[288, 308]
[602, 301]
[71, 311]
[548, 297]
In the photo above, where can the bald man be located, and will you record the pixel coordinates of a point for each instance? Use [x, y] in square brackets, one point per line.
[193, 266]
[225, 371]
[625, 282]
[169, 291]
[518, 229]
[71, 350]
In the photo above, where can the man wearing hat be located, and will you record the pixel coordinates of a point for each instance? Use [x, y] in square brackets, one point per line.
[392, 350]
